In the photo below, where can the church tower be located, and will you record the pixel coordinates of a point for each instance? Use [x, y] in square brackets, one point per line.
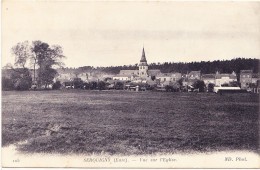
[143, 66]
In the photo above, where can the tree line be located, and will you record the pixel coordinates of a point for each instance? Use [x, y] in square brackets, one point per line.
[206, 67]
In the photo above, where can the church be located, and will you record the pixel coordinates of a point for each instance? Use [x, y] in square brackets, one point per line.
[142, 75]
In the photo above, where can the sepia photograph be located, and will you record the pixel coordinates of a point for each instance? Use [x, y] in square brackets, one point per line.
[135, 84]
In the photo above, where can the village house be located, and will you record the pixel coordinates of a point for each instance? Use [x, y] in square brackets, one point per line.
[65, 75]
[190, 78]
[245, 78]
[255, 78]
[122, 77]
[222, 79]
[168, 78]
[208, 79]
[194, 75]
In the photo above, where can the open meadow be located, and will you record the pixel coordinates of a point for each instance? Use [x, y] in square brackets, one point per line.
[129, 123]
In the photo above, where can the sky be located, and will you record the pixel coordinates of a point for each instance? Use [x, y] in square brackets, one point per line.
[114, 33]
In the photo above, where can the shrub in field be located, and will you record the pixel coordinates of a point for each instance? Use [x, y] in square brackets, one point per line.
[21, 78]
[235, 84]
[101, 85]
[225, 85]
[56, 85]
[153, 78]
[78, 83]
[86, 86]
[169, 88]
[119, 86]
[211, 87]
[199, 84]
[23, 84]
[7, 84]
[93, 85]
[151, 87]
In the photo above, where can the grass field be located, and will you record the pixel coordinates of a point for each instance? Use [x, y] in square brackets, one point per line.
[121, 122]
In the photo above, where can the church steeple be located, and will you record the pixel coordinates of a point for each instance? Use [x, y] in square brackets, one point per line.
[143, 61]
[143, 58]
[143, 66]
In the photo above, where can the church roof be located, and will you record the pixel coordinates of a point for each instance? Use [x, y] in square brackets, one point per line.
[154, 72]
[128, 72]
[143, 58]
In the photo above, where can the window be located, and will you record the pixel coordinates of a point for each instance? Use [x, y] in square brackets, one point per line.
[164, 79]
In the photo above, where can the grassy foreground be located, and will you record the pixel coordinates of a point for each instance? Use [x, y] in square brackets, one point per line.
[121, 122]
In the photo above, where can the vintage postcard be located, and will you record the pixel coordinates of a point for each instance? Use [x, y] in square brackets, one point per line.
[136, 84]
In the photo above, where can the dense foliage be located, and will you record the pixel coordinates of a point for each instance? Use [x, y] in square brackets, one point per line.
[206, 67]
[41, 56]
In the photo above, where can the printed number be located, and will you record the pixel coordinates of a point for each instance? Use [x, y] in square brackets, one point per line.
[16, 160]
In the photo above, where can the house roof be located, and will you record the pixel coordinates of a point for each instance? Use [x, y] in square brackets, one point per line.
[168, 74]
[164, 75]
[231, 76]
[194, 72]
[246, 71]
[208, 76]
[122, 75]
[154, 72]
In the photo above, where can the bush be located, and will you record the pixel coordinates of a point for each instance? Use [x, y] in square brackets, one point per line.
[101, 85]
[56, 85]
[93, 85]
[23, 84]
[151, 87]
[86, 86]
[199, 84]
[119, 86]
[169, 88]
[7, 84]
[78, 83]
[211, 87]
[22, 79]
[235, 84]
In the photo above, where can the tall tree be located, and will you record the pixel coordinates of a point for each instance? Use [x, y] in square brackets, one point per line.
[22, 53]
[43, 58]
[46, 57]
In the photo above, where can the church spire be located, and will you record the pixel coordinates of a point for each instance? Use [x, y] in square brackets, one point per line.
[143, 59]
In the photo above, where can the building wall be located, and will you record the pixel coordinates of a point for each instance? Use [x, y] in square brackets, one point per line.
[245, 79]
[121, 78]
[224, 80]
[143, 71]
[208, 81]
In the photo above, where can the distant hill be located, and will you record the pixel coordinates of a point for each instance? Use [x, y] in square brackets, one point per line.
[206, 67]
